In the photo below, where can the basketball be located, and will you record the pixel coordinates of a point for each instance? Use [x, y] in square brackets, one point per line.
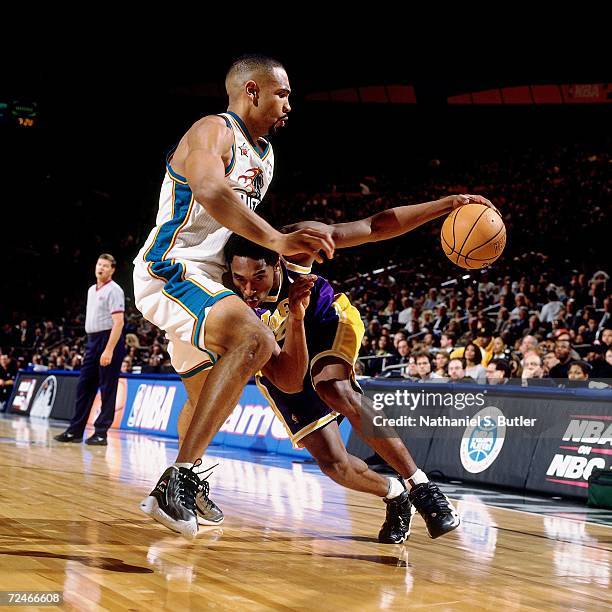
[473, 236]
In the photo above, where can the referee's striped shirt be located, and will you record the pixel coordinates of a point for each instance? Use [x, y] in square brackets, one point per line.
[102, 302]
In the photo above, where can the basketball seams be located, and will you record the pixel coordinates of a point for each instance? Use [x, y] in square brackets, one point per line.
[454, 251]
[474, 224]
[499, 231]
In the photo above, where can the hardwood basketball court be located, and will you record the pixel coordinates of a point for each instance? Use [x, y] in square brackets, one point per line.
[291, 540]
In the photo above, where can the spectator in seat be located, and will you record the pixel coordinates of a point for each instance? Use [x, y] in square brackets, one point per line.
[484, 340]
[432, 299]
[498, 372]
[528, 343]
[447, 342]
[520, 304]
[606, 338]
[578, 376]
[590, 332]
[473, 360]
[563, 349]
[549, 361]
[441, 320]
[456, 371]
[499, 348]
[404, 317]
[551, 309]
[441, 364]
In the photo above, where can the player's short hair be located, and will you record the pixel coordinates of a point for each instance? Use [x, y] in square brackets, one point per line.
[238, 246]
[246, 65]
[110, 258]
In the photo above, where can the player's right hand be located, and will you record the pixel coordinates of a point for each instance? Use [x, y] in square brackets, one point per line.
[299, 295]
[308, 240]
[461, 200]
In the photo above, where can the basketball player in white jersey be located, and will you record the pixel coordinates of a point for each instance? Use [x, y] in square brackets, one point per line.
[215, 178]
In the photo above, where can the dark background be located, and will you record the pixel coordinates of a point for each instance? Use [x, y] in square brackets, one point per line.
[87, 176]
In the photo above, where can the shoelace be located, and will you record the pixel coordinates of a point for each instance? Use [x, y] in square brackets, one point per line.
[203, 484]
[189, 485]
[431, 500]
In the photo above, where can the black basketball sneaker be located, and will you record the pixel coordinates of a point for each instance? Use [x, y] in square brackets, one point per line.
[438, 513]
[396, 528]
[207, 511]
[173, 500]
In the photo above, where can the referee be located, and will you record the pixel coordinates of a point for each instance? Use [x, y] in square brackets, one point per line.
[103, 355]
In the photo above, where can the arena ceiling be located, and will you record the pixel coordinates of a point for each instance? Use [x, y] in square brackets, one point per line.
[313, 64]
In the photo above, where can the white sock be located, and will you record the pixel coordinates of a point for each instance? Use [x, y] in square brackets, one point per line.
[182, 465]
[396, 488]
[419, 477]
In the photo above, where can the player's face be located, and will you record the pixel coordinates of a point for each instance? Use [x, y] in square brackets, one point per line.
[254, 278]
[104, 270]
[273, 101]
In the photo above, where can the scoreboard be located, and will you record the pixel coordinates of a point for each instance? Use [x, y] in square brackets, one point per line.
[23, 114]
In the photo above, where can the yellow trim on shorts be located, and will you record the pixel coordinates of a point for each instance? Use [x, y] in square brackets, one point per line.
[274, 407]
[349, 334]
[295, 438]
[302, 433]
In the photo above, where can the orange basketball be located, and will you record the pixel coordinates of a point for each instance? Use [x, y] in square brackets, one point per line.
[473, 236]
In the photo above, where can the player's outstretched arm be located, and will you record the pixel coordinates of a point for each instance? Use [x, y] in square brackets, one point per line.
[288, 366]
[208, 141]
[390, 223]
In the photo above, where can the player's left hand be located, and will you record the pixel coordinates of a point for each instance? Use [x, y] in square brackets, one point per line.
[299, 295]
[461, 200]
[106, 358]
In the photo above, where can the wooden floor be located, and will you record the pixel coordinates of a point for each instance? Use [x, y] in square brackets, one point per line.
[292, 540]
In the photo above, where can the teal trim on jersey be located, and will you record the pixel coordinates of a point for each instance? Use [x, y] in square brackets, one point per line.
[230, 166]
[182, 198]
[188, 294]
[175, 175]
[204, 366]
[248, 136]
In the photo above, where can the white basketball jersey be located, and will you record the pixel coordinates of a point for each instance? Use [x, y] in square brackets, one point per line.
[184, 230]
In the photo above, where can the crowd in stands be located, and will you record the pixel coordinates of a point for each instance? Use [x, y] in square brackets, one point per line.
[542, 312]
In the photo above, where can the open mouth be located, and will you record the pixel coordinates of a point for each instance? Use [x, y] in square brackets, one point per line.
[251, 302]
